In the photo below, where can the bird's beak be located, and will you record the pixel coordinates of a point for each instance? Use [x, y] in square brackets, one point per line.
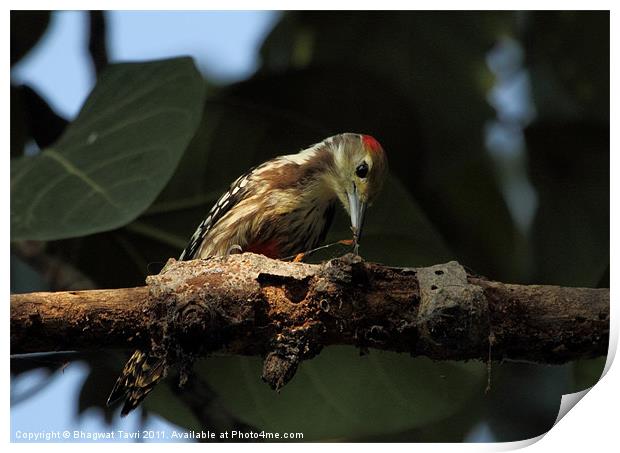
[356, 210]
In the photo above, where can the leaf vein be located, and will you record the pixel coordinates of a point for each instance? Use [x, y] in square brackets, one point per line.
[72, 169]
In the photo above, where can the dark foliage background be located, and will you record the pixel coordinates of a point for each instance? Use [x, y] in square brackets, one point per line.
[120, 189]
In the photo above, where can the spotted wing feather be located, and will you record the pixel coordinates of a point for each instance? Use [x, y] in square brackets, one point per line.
[225, 203]
[138, 378]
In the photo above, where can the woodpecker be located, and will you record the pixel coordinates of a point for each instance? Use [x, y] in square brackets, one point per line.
[280, 208]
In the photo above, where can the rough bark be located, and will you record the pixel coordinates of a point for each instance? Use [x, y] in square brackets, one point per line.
[78, 320]
[286, 312]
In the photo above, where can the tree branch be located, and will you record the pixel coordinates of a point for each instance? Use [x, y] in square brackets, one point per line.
[97, 45]
[249, 304]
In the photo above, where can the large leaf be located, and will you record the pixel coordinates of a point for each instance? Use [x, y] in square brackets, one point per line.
[568, 144]
[173, 409]
[115, 158]
[586, 373]
[570, 76]
[569, 166]
[340, 394]
[525, 398]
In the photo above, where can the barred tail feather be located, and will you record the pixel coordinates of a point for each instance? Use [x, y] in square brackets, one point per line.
[138, 378]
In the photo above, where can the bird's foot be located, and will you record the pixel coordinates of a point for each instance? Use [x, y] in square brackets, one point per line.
[233, 250]
[351, 243]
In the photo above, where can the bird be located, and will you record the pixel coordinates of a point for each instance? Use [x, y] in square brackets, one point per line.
[280, 208]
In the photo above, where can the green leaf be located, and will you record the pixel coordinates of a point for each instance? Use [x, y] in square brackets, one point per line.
[339, 395]
[568, 145]
[586, 373]
[524, 399]
[569, 166]
[568, 59]
[115, 158]
[167, 404]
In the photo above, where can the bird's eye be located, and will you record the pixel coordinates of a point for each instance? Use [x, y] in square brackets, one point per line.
[362, 170]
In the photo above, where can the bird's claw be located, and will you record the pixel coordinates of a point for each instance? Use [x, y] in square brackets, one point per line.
[351, 243]
[234, 249]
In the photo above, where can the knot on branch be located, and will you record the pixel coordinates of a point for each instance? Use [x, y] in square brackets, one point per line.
[349, 269]
[453, 314]
[287, 350]
[303, 306]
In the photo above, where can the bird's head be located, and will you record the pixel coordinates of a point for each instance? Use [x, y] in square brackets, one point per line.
[359, 170]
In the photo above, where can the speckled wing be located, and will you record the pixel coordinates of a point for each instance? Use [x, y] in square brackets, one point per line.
[225, 203]
[139, 376]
